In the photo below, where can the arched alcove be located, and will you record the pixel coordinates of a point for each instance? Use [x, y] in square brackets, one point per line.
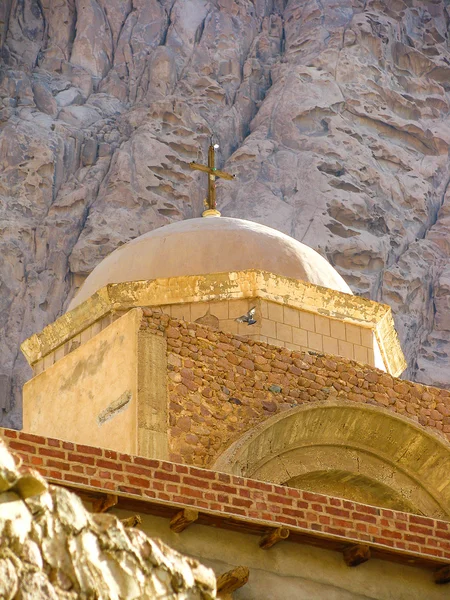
[361, 452]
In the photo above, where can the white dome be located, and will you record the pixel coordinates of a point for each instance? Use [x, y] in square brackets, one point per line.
[210, 245]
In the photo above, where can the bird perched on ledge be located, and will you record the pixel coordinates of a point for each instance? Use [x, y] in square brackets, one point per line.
[248, 318]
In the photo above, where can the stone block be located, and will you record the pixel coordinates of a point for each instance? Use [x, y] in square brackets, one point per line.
[219, 309]
[275, 312]
[284, 332]
[366, 337]
[268, 328]
[337, 329]
[181, 311]
[264, 309]
[360, 353]
[353, 333]
[330, 345]
[322, 325]
[198, 310]
[237, 308]
[291, 316]
[300, 337]
[307, 321]
[345, 349]
[315, 341]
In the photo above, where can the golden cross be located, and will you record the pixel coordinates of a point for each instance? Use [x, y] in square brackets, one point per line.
[210, 201]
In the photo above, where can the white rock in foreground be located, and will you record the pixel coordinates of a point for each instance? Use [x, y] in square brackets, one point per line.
[51, 547]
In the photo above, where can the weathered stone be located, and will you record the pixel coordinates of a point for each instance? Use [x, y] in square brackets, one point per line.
[76, 546]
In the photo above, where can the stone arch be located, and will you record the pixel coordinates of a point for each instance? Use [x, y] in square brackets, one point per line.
[361, 452]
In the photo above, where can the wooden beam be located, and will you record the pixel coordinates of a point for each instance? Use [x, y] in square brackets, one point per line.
[356, 555]
[273, 536]
[102, 504]
[183, 519]
[442, 575]
[131, 521]
[232, 580]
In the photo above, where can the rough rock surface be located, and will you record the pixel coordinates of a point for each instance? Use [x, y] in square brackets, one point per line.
[333, 114]
[51, 547]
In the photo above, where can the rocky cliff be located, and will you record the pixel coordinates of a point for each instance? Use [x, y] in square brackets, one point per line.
[333, 114]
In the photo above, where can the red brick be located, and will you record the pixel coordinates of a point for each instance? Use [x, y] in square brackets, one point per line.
[181, 469]
[201, 473]
[10, 433]
[314, 497]
[87, 460]
[362, 517]
[279, 500]
[191, 492]
[391, 533]
[110, 454]
[68, 446]
[242, 502]
[107, 464]
[54, 443]
[56, 464]
[139, 470]
[423, 530]
[147, 462]
[104, 474]
[339, 512]
[167, 476]
[223, 488]
[36, 460]
[53, 453]
[138, 481]
[196, 482]
[261, 485]
[22, 447]
[89, 450]
[30, 437]
[422, 520]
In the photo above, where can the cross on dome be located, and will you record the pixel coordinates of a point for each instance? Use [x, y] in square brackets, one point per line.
[210, 201]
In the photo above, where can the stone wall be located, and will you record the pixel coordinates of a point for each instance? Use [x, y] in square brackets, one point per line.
[221, 385]
[283, 326]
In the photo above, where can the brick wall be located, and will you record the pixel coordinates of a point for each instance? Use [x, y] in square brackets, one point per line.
[175, 484]
[221, 385]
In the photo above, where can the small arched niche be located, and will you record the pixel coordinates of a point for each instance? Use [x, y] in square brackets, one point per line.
[360, 452]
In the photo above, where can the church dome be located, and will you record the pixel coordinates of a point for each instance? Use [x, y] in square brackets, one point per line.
[210, 245]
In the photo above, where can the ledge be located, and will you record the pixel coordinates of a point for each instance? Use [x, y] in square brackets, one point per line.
[223, 286]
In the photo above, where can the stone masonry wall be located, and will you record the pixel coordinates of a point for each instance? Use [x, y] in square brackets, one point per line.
[221, 385]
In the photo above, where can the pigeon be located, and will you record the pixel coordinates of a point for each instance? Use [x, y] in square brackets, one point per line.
[248, 318]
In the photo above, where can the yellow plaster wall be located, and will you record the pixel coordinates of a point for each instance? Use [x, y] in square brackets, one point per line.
[89, 396]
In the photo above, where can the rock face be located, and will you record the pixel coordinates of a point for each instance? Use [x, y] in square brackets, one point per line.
[333, 115]
[51, 547]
